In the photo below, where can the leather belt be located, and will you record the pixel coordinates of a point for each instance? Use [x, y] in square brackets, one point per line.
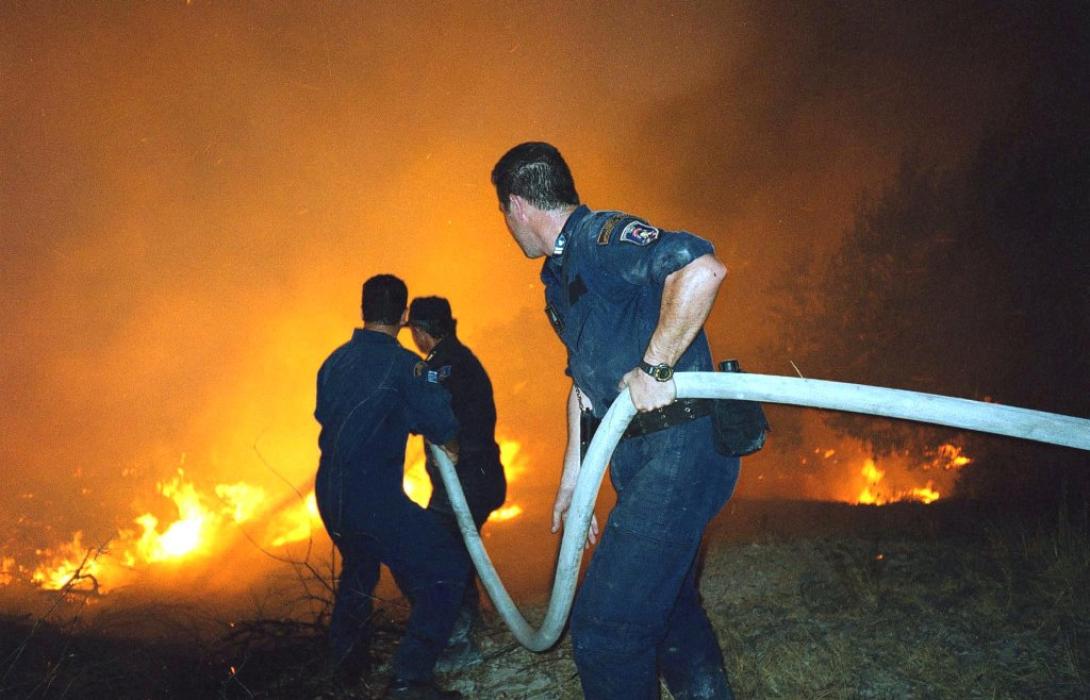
[680, 411]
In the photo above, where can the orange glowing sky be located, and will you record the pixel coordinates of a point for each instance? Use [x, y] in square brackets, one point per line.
[192, 193]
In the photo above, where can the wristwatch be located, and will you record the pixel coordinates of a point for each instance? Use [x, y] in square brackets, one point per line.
[661, 372]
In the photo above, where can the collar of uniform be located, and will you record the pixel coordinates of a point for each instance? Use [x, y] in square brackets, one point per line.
[445, 344]
[568, 230]
[369, 336]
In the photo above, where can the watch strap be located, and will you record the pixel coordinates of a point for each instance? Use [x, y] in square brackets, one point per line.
[661, 372]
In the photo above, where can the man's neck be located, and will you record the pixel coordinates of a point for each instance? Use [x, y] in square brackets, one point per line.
[387, 328]
[553, 223]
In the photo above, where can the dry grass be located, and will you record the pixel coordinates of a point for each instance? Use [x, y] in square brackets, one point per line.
[994, 616]
[874, 603]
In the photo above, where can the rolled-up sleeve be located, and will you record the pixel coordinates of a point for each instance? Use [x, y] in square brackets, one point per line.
[651, 257]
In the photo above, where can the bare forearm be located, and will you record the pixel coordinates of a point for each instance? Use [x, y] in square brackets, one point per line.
[687, 298]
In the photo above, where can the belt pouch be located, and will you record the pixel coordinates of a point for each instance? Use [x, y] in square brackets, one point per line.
[740, 426]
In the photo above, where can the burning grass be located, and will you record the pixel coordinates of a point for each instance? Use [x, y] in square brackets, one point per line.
[809, 600]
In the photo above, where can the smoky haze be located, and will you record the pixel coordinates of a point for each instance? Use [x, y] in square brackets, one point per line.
[191, 195]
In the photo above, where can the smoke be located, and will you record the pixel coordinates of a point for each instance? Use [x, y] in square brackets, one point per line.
[192, 194]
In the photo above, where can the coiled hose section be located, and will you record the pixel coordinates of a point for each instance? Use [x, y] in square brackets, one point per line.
[814, 393]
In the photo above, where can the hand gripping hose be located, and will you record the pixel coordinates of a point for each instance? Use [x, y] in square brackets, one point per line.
[855, 398]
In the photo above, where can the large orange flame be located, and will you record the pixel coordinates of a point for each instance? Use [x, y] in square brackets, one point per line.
[203, 524]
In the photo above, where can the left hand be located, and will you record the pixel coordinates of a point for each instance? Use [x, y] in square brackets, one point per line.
[647, 392]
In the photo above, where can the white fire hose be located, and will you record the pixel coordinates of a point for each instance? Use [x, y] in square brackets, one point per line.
[856, 398]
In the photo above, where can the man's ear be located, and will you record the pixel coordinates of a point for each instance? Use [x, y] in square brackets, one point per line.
[517, 206]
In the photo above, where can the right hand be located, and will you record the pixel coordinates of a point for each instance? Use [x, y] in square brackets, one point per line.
[560, 510]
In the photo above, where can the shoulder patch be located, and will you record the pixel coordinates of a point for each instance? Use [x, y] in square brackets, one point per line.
[436, 376]
[639, 233]
[607, 228]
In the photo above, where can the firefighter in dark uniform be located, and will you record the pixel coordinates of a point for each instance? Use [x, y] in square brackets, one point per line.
[371, 394]
[629, 302]
[480, 471]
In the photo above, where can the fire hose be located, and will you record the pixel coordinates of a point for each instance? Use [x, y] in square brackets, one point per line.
[856, 398]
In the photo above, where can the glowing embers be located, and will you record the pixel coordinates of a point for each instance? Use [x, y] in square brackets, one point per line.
[7, 570]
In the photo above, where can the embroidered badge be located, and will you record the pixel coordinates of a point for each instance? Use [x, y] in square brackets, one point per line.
[433, 376]
[607, 228]
[444, 372]
[639, 233]
[418, 369]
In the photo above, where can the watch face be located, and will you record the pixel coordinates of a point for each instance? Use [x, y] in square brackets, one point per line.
[661, 372]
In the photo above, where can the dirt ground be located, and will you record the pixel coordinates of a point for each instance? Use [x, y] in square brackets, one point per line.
[809, 601]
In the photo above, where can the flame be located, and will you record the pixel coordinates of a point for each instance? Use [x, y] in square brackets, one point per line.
[196, 531]
[202, 524]
[946, 457]
[925, 494]
[949, 457]
[417, 484]
[70, 565]
[7, 567]
[183, 536]
[505, 513]
[244, 500]
[297, 522]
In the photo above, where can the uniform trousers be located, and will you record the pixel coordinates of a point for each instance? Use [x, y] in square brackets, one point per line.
[429, 565]
[638, 613]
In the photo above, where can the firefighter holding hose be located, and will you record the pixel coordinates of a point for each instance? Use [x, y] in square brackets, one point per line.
[629, 301]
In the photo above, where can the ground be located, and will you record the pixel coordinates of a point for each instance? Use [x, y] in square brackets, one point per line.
[809, 600]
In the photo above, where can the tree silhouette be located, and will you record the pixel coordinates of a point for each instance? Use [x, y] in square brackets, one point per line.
[972, 282]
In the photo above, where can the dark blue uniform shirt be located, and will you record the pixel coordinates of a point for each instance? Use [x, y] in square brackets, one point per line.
[371, 394]
[604, 291]
[479, 468]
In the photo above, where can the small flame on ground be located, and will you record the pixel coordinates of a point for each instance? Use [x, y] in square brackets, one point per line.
[947, 457]
[71, 565]
[7, 570]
